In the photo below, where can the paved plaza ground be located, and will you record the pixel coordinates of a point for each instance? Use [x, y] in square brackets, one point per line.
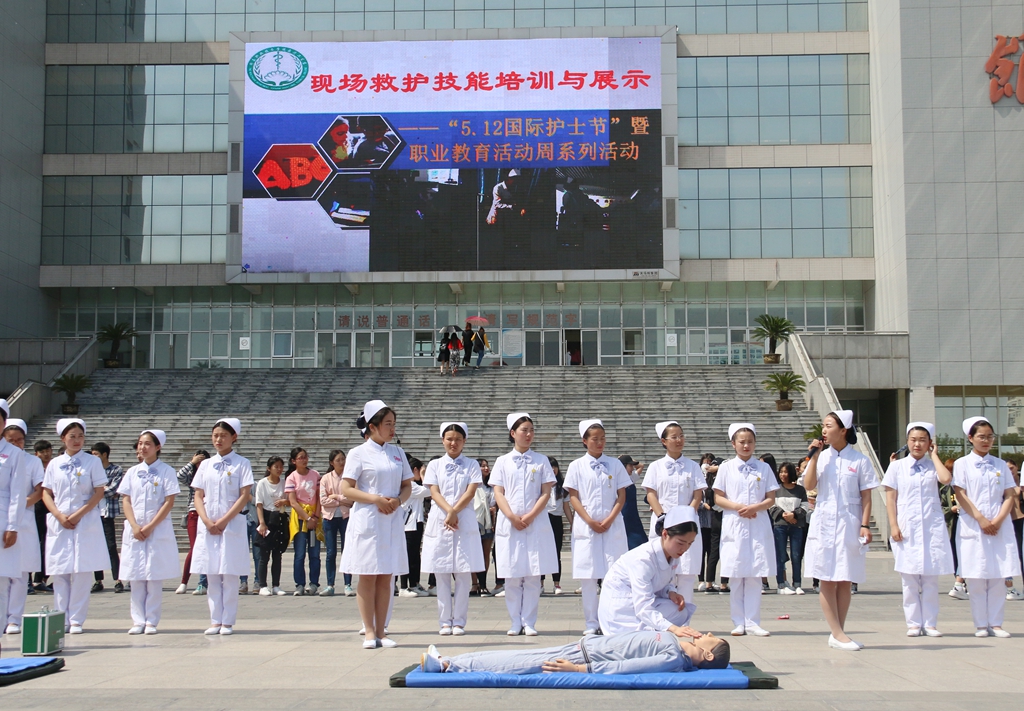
[304, 653]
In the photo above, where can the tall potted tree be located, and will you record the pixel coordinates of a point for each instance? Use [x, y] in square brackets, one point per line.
[775, 330]
[784, 384]
[71, 385]
[115, 334]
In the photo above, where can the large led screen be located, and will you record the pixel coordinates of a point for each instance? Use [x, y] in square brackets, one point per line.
[489, 155]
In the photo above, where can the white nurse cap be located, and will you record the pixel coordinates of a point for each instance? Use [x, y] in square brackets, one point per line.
[62, 425]
[233, 422]
[161, 436]
[446, 425]
[972, 421]
[510, 421]
[662, 426]
[20, 424]
[680, 514]
[736, 426]
[926, 426]
[845, 418]
[587, 424]
[5, 407]
[372, 408]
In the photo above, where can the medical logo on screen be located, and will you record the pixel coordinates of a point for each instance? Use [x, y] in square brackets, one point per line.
[453, 156]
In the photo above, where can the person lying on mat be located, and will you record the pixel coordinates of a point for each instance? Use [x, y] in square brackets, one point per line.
[639, 592]
[631, 653]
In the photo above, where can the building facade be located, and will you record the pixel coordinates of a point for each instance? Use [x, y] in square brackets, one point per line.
[839, 162]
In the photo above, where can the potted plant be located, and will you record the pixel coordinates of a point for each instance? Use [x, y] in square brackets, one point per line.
[114, 334]
[71, 385]
[784, 384]
[775, 330]
[815, 433]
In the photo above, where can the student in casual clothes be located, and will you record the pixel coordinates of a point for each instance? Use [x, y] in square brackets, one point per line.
[415, 522]
[149, 552]
[485, 508]
[273, 511]
[223, 485]
[636, 535]
[185, 476]
[335, 509]
[14, 433]
[597, 492]
[789, 524]
[109, 510]
[745, 487]
[558, 511]
[302, 487]
[73, 487]
[44, 453]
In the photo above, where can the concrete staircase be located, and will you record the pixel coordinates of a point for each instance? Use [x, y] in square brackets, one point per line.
[317, 409]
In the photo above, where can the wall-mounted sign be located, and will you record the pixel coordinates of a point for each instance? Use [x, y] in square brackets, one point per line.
[1000, 67]
[244, 343]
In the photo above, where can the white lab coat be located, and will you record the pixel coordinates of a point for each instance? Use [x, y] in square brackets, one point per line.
[155, 558]
[531, 552]
[221, 480]
[81, 549]
[924, 549]
[598, 483]
[457, 551]
[748, 545]
[675, 481]
[985, 481]
[375, 542]
[14, 478]
[833, 550]
[635, 593]
[28, 534]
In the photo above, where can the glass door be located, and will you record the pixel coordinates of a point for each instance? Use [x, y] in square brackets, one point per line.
[532, 350]
[325, 350]
[589, 347]
[343, 350]
[363, 350]
[381, 349]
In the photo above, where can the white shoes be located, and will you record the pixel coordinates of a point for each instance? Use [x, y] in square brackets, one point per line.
[758, 631]
[458, 631]
[530, 632]
[800, 591]
[212, 631]
[982, 632]
[1014, 594]
[998, 632]
[431, 661]
[279, 591]
[226, 630]
[558, 590]
[370, 644]
[408, 592]
[150, 629]
[703, 587]
[137, 629]
[589, 632]
[181, 589]
[960, 592]
[850, 646]
[77, 629]
[446, 631]
[349, 592]
[739, 631]
[265, 592]
[387, 643]
[514, 632]
[913, 631]
[931, 632]
[12, 629]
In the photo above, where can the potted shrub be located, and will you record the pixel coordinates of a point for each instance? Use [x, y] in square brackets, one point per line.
[784, 384]
[71, 386]
[775, 330]
[115, 334]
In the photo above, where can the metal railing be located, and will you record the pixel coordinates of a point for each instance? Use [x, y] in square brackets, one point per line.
[33, 398]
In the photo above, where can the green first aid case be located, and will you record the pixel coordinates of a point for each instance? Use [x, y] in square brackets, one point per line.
[42, 633]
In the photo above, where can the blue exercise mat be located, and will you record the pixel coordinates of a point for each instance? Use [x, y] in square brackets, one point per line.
[18, 669]
[742, 675]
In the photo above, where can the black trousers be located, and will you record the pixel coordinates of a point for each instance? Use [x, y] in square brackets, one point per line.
[558, 527]
[40, 512]
[952, 544]
[707, 572]
[413, 540]
[275, 568]
[110, 534]
[716, 542]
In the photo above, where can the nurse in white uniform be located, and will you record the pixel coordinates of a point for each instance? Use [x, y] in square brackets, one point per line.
[15, 432]
[639, 592]
[675, 480]
[918, 534]
[149, 553]
[986, 546]
[14, 484]
[223, 486]
[597, 492]
[451, 540]
[72, 487]
[745, 489]
[379, 480]
[840, 532]
[524, 546]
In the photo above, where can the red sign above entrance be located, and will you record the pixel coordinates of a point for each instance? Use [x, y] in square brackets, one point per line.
[999, 68]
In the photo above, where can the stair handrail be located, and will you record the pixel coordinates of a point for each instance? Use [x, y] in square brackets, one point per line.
[821, 397]
[33, 398]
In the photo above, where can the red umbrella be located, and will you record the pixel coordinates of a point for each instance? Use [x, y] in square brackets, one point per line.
[478, 321]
